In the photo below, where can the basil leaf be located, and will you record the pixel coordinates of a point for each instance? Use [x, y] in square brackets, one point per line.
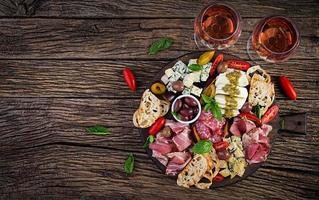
[176, 115]
[216, 111]
[282, 124]
[160, 45]
[203, 146]
[258, 111]
[150, 139]
[195, 67]
[206, 99]
[207, 107]
[129, 164]
[98, 130]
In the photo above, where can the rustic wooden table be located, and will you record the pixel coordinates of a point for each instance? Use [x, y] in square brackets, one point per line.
[60, 71]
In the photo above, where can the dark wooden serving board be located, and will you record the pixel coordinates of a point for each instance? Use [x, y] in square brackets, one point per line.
[293, 123]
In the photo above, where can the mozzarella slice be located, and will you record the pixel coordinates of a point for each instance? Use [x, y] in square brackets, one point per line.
[233, 102]
[243, 93]
[223, 80]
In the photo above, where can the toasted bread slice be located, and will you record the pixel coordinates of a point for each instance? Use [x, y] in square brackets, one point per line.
[263, 75]
[261, 92]
[193, 172]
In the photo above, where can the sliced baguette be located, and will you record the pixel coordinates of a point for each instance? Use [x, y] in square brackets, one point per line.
[193, 172]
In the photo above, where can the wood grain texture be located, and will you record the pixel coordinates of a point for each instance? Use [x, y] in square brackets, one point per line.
[51, 78]
[119, 38]
[149, 8]
[89, 173]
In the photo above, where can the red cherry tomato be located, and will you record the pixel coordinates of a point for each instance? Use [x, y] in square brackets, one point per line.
[287, 87]
[157, 126]
[238, 64]
[216, 62]
[129, 78]
[251, 117]
[220, 145]
[270, 114]
[218, 178]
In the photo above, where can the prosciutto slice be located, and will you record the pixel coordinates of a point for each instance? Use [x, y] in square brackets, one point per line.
[256, 144]
[175, 165]
[176, 127]
[241, 126]
[162, 148]
[182, 140]
[162, 159]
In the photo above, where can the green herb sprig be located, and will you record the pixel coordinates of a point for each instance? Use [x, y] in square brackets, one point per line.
[258, 111]
[195, 67]
[212, 106]
[160, 45]
[129, 164]
[203, 146]
[150, 139]
[98, 130]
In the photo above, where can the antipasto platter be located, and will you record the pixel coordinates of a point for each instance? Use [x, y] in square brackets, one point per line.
[208, 119]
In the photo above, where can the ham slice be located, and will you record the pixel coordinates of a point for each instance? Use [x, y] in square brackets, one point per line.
[182, 140]
[174, 168]
[241, 126]
[176, 127]
[179, 157]
[162, 148]
[162, 159]
[256, 144]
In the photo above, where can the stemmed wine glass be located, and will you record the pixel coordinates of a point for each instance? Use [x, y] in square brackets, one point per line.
[274, 39]
[218, 26]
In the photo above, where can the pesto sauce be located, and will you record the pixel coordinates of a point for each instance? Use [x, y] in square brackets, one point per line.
[232, 90]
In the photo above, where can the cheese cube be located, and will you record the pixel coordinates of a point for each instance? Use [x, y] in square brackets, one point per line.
[175, 77]
[196, 76]
[204, 76]
[169, 72]
[205, 72]
[180, 67]
[192, 61]
[196, 91]
[165, 79]
[188, 80]
[187, 91]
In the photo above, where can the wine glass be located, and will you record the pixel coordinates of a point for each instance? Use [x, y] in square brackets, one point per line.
[274, 39]
[218, 26]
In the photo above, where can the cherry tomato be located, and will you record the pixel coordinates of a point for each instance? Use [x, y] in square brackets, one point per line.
[251, 117]
[218, 178]
[220, 145]
[238, 64]
[270, 114]
[129, 78]
[216, 62]
[287, 87]
[157, 126]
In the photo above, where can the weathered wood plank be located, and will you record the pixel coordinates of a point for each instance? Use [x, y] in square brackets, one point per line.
[152, 8]
[68, 171]
[27, 123]
[118, 39]
[50, 78]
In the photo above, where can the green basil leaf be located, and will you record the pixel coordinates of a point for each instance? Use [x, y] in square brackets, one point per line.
[98, 130]
[176, 115]
[216, 111]
[206, 99]
[150, 139]
[258, 111]
[160, 45]
[203, 146]
[207, 107]
[195, 67]
[282, 124]
[129, 164]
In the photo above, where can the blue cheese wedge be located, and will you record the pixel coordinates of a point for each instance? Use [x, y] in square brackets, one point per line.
[196, 76]
[187, 90]
[205, 72]
[176, 76]
[188, 80]
[196, 90]
[180, 67]
[169, 72]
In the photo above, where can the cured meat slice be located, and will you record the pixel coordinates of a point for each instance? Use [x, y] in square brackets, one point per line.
[174, 168]
[176, 127]
[182, 140]
[162, 159]
[241, 126]
[179, 157]
[162, 148]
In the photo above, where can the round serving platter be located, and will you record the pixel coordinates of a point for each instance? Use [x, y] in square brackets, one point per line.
[250, 169]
